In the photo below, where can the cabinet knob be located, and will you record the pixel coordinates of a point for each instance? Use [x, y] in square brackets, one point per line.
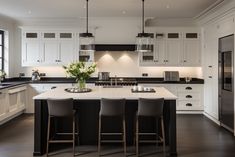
[210, 77]
[38, 60]
[189, 104]
[59, 60]
[188, 88]
[185, 61]
[189, 96]
[56, 60]
[166, 60]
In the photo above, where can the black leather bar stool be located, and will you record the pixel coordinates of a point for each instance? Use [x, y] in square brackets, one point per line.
[61, 108]
[112, 108]
[150, 108]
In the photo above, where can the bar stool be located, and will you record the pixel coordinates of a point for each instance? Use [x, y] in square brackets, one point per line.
[61, 108]
[150, 108]
[112, 108]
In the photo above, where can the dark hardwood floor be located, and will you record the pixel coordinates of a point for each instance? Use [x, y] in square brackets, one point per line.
[197, 137]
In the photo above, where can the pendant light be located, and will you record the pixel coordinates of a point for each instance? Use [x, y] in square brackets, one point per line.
[144, 41]
[87, 40]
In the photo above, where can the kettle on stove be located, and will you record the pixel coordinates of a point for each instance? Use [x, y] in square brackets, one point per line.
[35, 75]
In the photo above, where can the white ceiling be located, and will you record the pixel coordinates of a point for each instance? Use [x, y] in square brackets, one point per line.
[103, 8]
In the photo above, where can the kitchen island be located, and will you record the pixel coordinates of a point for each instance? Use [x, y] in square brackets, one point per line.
[88, 105]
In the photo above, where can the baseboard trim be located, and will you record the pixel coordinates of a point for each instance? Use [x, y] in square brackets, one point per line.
[212, 118]
[11, 117]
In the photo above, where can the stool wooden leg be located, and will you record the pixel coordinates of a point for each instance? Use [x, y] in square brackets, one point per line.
[137, 136]
[48, 134]
[73, 136]
[163, 136]
[124, 134]
[99, 135]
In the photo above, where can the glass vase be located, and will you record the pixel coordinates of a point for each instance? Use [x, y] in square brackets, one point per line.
[81, 84]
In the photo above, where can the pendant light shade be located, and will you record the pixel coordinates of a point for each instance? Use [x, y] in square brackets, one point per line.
[144, 41]
[87, 40]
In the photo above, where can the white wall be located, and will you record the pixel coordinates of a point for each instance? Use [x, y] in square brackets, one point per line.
[126, 64]
[8, 25]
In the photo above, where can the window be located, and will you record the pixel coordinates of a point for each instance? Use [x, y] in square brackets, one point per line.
[2, 50]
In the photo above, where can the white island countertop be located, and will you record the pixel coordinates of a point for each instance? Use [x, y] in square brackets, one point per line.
[99, 92]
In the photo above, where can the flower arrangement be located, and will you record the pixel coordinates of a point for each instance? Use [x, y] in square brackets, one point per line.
[2, 75]
[80, 71]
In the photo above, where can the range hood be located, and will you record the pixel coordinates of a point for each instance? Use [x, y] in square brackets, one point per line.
[115, 47]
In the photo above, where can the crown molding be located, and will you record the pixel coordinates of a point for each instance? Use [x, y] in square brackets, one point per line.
[220, 10]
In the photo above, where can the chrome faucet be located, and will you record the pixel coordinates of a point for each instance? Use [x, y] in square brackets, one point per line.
[115, 80]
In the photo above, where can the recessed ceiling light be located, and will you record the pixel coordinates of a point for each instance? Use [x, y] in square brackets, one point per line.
[168, 6]
[123, 12]
[29, 12]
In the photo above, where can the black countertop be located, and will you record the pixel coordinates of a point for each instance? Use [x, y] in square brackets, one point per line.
[11, 82]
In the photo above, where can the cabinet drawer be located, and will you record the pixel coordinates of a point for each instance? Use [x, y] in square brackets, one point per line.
[189, 105]
[189, 96]
[189, 88]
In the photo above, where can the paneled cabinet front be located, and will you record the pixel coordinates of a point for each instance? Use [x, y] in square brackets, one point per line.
[12, 102]
[48, 48]
[174, 49]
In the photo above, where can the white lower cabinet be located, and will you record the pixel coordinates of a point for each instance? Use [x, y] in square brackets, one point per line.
[35, 89]
[3, 104]
[13, 101]
[190, 96]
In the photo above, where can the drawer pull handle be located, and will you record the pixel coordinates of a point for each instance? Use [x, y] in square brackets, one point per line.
[188, 88]
[189, 104]
[189, 96]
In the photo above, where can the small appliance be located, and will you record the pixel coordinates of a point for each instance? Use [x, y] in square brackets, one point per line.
[171, 76]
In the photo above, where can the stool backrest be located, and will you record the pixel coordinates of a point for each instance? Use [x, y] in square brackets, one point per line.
[112, 107]
[150, 107]
[60, 107]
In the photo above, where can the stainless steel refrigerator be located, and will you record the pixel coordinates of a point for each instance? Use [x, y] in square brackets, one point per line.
[226, 82]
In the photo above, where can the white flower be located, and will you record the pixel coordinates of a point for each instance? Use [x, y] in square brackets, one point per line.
[2, 74]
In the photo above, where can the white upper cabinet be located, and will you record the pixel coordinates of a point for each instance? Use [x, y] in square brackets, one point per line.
[50, 52]
[31, 53]
[191, 54]
[160, 48]
[172, 54]
[48, 47]
[174, 48]
[66, 52]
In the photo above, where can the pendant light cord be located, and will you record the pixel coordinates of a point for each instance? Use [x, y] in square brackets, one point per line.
[143, 16]
[86, 16]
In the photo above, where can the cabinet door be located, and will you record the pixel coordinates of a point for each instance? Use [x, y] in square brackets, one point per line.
[159, 56]
[22, 99]
[191, 54]
[146, 58]
[173, 50]
[66, 52]
[30, 53]
[50, 52]
[2, 104]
